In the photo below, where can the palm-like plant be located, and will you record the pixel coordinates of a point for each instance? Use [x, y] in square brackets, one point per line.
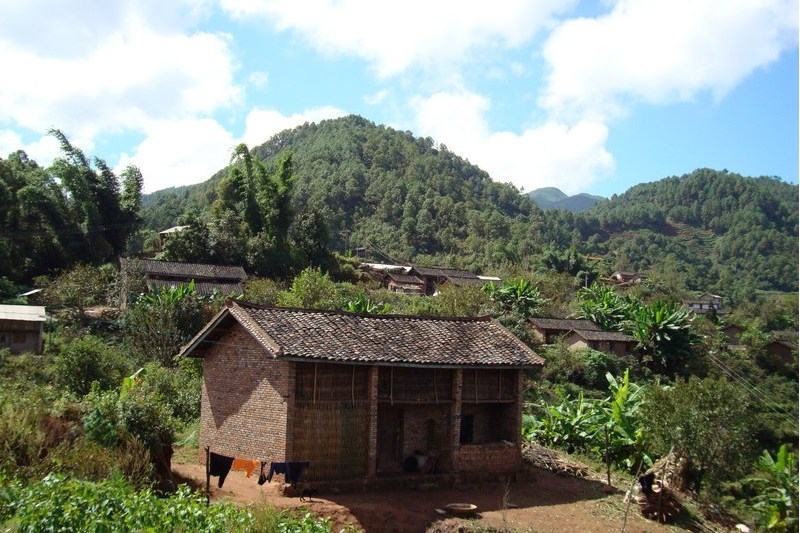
[777, 500]
[603, 306]
[663, 331]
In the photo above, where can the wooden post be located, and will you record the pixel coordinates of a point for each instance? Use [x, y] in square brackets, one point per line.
[208, 476]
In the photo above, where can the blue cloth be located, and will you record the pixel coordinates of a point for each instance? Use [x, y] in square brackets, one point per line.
[292, 471]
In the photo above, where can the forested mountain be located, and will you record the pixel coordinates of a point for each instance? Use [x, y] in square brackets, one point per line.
[414, 200]
[554, 198]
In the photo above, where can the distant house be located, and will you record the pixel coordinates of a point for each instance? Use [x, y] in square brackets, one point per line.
[358, 396]
[21, 327]
[208, 279]
[433, 277]
[732, 331]
[164, 235]
[404, 283]
[548, 330]
[621, 277]
[782, 350]
[614, 342]
[705, 304]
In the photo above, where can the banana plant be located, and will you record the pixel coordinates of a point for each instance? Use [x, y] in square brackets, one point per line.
[776, 502]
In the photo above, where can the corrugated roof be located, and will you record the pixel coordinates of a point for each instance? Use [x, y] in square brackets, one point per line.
[340, 336]
[26, 313]
[153, 267]
[564, 324]
[616, 336]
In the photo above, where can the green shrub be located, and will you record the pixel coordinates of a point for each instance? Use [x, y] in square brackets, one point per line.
[88, 460]
[85, 360]
[58, 503]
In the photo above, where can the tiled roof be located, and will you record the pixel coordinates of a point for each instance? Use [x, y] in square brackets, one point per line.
[443, 272]
[25, 313]
[404, 278]
[378, 339]
[616, 336]
[201, 287]
[564, 324]
[152, 267]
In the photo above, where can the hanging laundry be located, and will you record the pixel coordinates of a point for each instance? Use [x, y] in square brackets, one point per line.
[220, 465]
[244, 465]
[292, 471]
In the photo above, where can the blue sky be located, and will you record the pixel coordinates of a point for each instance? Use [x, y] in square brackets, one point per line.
[585, 96]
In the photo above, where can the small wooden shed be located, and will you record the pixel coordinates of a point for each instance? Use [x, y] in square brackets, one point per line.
[21, 327]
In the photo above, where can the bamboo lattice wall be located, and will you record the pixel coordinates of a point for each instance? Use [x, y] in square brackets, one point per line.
[331, 421]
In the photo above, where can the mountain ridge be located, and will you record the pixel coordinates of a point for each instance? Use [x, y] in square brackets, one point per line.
[417, 201]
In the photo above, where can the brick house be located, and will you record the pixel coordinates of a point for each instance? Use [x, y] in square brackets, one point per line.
[436, 276]
[21, 327]
[403, 283]
[548, 330]
[614, 342]
[356, 395]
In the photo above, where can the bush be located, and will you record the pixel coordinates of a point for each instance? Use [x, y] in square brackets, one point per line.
[263, 291]
[584, 367]
[158, 325]
[85, 459]
[85, 360]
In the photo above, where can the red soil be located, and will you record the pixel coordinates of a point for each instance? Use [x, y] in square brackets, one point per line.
[539, 501]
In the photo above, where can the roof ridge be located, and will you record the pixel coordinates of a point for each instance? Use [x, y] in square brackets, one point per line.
[252, 305]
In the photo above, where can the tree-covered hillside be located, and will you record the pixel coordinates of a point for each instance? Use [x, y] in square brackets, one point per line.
[417, 201]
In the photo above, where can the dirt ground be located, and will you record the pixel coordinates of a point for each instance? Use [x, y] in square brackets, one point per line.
[540, 502]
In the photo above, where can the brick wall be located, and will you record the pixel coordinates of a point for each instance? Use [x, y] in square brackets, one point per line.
[495, 457]
[246, 397]
[426, 428]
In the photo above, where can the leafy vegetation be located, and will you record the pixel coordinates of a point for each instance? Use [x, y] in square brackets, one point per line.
[74, 211]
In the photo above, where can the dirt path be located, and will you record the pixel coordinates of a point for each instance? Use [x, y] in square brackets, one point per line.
[544, 502]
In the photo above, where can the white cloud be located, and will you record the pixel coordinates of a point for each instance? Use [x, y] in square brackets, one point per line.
[571, 157]
[395, 36]
[261, 124]
[42, 150]
[258, 79]
[10, 141]
[180, 152]
[131, 78]
[661, 52]
[376, 98]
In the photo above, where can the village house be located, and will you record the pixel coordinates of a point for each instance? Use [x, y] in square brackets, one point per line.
[705, 304]
[167, 233]
[358, 396]
[208, 279]
[21, 327]
[549, 330]
[624, 278]
[434, 277]
[614, 342]
[403, 283]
